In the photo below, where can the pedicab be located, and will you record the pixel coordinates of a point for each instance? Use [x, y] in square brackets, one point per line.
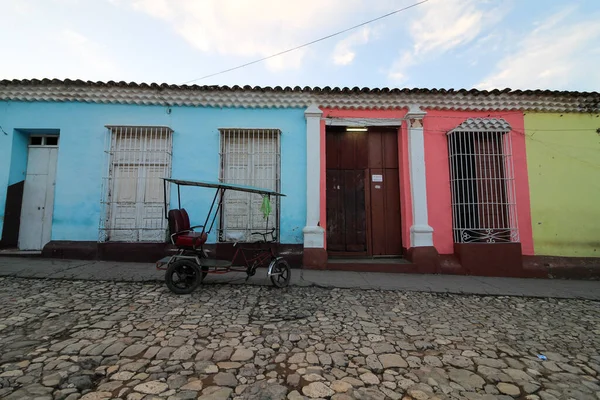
[190, 264]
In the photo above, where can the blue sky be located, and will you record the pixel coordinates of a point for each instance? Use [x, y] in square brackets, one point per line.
[526, 44]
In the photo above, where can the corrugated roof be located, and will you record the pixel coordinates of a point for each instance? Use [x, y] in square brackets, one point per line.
[483, 124]
[334, 97]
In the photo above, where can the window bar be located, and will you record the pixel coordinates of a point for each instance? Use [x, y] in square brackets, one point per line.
[453, 182]
[133, 155]
[494, 199]
[480, 181]
[484, 168]
[461, 161]
[451, 147]
[453, 199]
[499, 173]
[485, 204]
[467, 184]
[515, 221]
[506, 183]
[145, 169]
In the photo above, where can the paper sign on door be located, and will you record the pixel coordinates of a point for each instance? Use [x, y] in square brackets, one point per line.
[377, 178]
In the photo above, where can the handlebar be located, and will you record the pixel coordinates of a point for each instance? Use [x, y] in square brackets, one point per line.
[264, 235]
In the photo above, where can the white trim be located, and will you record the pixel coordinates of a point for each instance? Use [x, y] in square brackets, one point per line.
[314, 235]
[421, 234]
[332, 121]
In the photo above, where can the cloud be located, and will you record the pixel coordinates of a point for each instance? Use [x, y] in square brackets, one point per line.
[344, 53]
[442, 26]
[557, 54]
[252, 29]
[86, 55]
[397, 71]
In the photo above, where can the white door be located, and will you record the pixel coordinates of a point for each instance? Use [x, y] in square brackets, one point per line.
[38, 198]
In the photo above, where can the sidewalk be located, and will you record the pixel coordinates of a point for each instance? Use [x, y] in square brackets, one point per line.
[142, 272]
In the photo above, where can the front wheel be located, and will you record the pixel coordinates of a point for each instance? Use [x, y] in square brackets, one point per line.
[281, 273]
[183, 277]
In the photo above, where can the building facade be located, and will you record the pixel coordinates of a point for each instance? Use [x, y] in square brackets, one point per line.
[470, 182]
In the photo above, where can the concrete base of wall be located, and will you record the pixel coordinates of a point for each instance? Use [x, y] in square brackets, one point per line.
[490, 259]
[314, 258]
[425, 258]
[562, 267]
[151, 252]
[473, 259]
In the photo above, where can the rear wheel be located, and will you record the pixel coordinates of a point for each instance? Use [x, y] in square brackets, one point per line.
[281, 273]
[183, 276]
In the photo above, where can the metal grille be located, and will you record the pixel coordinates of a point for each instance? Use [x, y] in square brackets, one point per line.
[249, 157]
[132, 204]
[483, 187]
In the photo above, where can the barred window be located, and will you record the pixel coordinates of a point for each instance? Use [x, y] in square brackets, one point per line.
[132, 203]
[482, 182]
[249, 157]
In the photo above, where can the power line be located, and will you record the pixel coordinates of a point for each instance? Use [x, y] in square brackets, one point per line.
[309, 43]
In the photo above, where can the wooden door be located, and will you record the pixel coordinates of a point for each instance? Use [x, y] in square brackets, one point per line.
[345, 192]
[35, 227]
[384, 192]
[363, 192]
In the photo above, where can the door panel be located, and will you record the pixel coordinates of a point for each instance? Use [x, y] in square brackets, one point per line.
[124, 211]
[336, 228]
[377, 212]
[385, 193]
[354, 205]
[35, 227]
[32, 212]
[49, 203]
[393, 238]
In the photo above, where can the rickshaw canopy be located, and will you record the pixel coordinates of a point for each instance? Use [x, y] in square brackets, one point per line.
[226, 186]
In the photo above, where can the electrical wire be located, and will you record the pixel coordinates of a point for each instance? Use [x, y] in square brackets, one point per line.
[3, 131]
[308, 43]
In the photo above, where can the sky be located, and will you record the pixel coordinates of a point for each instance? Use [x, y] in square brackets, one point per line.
[483, 44]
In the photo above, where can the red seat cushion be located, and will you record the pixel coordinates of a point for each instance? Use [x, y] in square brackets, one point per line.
[179, 225]
[186, 219]
[191, 239]
[176, 223]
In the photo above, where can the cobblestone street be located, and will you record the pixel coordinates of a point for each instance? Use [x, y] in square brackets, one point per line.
[96, 340]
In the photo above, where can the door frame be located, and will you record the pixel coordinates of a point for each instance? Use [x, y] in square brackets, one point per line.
[46, 218]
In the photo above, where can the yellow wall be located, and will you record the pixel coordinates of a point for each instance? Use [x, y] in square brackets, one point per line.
[563, 159]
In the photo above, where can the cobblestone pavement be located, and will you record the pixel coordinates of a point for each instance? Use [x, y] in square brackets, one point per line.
[96, 340]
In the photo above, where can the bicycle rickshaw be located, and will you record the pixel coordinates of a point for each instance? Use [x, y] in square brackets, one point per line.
[190, 264]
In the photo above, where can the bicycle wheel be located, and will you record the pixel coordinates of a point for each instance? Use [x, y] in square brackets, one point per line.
[281, 273]
[182, 277]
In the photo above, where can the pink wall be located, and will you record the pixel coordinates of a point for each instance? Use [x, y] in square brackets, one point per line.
[436, 124]
[405, 201]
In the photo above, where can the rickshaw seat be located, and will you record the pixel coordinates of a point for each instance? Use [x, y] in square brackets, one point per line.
[182, 233]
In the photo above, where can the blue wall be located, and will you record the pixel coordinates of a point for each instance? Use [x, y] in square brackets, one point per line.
[18, 159]
[81, 156]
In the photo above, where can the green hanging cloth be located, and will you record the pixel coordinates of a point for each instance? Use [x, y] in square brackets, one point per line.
[265, 208]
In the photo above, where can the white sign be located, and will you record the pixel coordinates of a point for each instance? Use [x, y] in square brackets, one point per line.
[377, 178]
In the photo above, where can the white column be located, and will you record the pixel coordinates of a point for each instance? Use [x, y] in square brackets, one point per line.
[313, 234]
[421, 234]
